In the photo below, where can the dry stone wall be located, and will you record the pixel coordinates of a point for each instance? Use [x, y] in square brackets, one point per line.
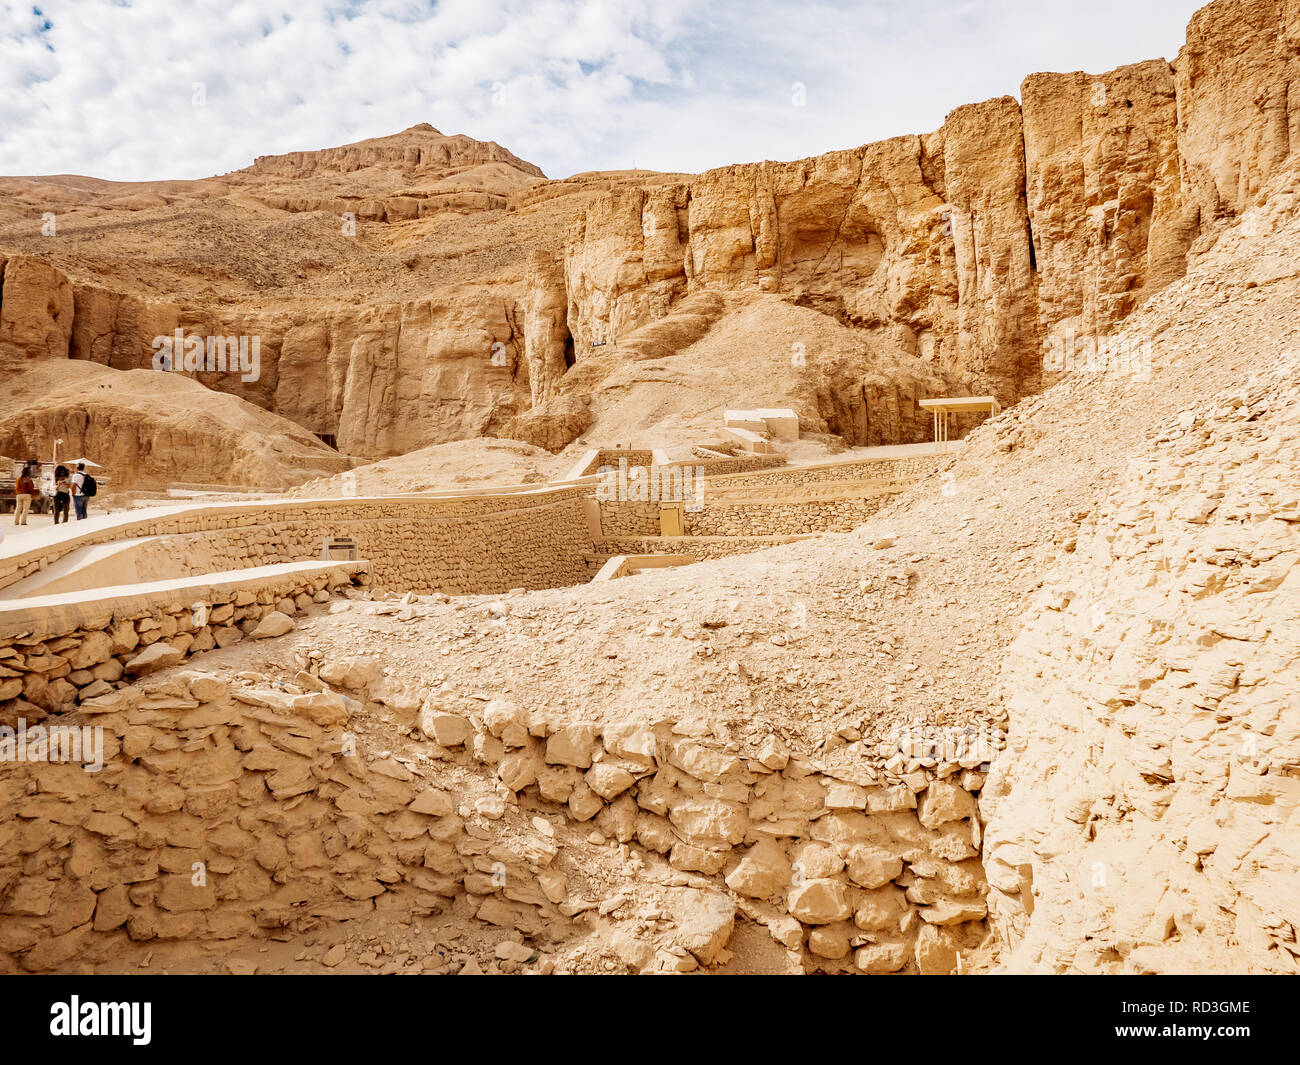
[774, 518]
[252, 808]
[611, 457]
[493, 543]
[621, 518]
[904, 469]
[711, 467]
[701, 547]
[54, 654]
[758, 504]
[875, 870]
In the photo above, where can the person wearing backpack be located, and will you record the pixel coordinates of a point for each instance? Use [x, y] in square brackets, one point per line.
[83, 487]
[24, 492]
[89, 486]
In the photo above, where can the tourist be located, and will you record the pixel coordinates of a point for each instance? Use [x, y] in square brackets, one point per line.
[81, 491]
[62, 494]
[24, 491]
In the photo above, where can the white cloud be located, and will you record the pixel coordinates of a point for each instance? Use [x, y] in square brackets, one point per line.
[107, 88]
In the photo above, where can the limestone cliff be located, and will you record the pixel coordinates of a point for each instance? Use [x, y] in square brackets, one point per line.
[420, 288]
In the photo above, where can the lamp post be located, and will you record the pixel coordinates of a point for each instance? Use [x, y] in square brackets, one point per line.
[55, 460]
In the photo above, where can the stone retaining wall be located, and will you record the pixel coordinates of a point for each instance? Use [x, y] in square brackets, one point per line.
[610, 457]
[533, 539]
[710, 467]
[726, 518]
[251, 809]
[701, 547]
[899, 469]
[55, 652]
[622, 518]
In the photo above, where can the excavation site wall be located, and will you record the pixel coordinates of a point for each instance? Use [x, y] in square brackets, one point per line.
[457, 545]
[227, 808]
[899, 469]
[57, 651]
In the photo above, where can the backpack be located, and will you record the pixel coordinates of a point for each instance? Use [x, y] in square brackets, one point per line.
[88, 486]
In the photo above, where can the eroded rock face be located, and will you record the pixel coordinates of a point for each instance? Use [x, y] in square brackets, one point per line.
[1237, 120]
[818, 230]
[1104, 150]
[149, 426]
[548, 346]
[958, 256]
[973, 247]
[997, 327]
[36, 311]
[624, 263]
[381, 379]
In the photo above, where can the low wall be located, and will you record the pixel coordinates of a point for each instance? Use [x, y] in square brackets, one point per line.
[907, 468]
[621, 518]
[771, 518]
[459, 545]
[57, 650]
[846, 509]
[610, 457]
[827, 490]
[830, 497]
[252, 810]
[713, 467]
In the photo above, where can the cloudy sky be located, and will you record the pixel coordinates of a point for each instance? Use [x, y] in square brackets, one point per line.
[147, 89]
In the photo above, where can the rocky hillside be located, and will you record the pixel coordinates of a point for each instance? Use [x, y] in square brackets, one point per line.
[1144, 815]
[422, 288]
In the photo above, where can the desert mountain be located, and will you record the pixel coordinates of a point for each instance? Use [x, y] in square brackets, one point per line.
[419, 288]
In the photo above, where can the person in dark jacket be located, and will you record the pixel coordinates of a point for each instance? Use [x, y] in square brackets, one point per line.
[62, 494]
